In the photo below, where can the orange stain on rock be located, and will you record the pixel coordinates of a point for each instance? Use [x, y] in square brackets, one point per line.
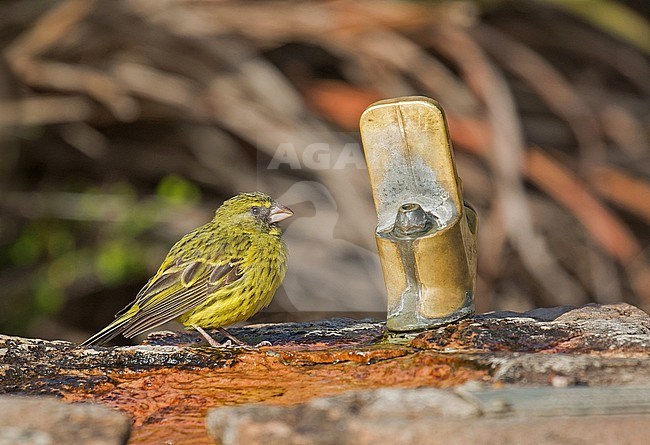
[169, 405]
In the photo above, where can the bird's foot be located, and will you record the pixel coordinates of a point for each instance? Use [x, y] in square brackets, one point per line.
[212, 341]
[240, 343]
[231, 341]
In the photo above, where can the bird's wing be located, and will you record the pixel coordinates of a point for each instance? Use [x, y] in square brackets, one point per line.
[176, 290]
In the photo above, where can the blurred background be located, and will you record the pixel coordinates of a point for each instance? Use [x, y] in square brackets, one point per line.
[124, 124]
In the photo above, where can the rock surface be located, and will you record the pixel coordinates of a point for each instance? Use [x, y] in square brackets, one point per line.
[48, 421]
[618, 328]
[429, 416]
[168, 385]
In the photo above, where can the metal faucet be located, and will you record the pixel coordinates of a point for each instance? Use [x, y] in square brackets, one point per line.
[426, 233]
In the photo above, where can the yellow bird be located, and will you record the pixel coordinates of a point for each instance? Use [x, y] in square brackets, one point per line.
[220, 273]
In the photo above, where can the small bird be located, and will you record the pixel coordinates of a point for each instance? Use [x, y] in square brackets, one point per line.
[220, 273]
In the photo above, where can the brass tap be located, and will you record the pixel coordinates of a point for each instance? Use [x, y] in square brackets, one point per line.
[426, 233]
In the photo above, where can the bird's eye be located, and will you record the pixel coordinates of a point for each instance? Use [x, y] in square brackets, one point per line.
[255, 211]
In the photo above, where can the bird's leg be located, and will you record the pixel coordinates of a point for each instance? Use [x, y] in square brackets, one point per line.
[235, 340]
[238, 342]
[207, 337]
[231, 339]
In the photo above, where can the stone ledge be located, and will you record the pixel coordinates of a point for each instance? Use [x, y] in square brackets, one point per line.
[429, 416]
[167, 385]
[621, 329]
[48, 421]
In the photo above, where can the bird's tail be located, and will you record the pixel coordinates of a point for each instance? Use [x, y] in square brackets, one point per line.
[109, 332]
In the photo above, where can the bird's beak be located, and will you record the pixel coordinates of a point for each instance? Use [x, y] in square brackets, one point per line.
[278, 212]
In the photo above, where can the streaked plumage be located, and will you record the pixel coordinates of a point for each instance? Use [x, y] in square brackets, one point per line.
[218, 274]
